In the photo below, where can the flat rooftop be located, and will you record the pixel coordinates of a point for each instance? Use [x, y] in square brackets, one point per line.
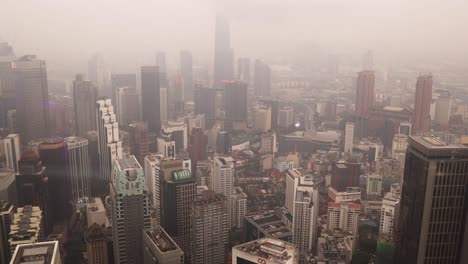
[269, 223]
[161, 239]
[38, 253]
[436, 147]
[128, 163]
[272, 250]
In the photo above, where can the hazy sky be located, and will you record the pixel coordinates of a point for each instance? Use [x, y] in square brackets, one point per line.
[71, 30]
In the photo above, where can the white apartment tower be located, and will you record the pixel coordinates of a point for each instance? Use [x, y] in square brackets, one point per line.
[12, 151]
[349, 137]
[344, 216]
[223, 178]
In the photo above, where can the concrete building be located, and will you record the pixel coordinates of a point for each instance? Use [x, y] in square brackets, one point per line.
[163, 101]
[400, 142]
[243, 69]
[268, 143]
[223, 178]
[160, 248]
[349, 138]
[166, 147]
[433, 203]
[263, 118]
[374, 184]
[235, 104]
[96, 213]
[98, 74]
[78, 167]
[150, 98]
[365, 95]
[26, 227]
[109, 143]
[238, 201]
[389, 216]
[139, 142]
[442, 109]
[12, 151]
[130, 210]
[6, 216]
[266, 224]
[178, 132]
[84, 105]
[128, 106]
[265, 251]
[335, 246]
[344, 216]
[422, 104]
[286, 117]
[44, 253]
[98, 244]
[210, 228]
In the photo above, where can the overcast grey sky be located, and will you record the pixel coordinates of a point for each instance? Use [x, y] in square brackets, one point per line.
[74, 29]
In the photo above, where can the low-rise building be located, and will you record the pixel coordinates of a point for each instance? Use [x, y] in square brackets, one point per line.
[265, 251]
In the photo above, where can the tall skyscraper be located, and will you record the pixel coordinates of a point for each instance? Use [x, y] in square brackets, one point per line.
[223, 143]
[48, 253]
[243, 69]
[197, 147]
[349, 138]
[442, 109]
[365, 95]
[205, 103]
[130, 210]
[186, 72]
[32, 98]
[6, 216]
[223, 178]
[163, 101]
[78, 167]
[235, 101]
[263, 118]
[99, 75]
[223, 54]
[422, 104]
[84, 104]
[161, 63]
[238, 201]
[150, 98]
[368, 60]
[128, 106]
[12, 151]
[210, 230]
[433, 209]
[109, 144]
[262, 79]
[7, 88]
[119, 80]
[177, 194]
[139, 142]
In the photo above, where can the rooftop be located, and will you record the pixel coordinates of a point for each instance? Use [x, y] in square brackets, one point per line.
[161, 239]
[434, 146]
[128, 163]
[38, 253]
[272, 250]
[269, 223]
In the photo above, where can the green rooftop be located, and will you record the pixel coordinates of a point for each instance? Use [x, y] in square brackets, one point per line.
[181, 175]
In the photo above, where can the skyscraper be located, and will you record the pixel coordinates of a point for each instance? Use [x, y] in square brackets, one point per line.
[99, 75]
[139, 142]
[84, 102]
[161, 63]
[262, 79]
[12, 151]
[119, 80]
[128, 106]
[150, 98]
[365, 95]
[223, 54]
[32, 98]
[197, 147]
[349, 138]
[78, 167]
[130, 210]
[6, 216]
[223, 178]
[433, 209]
[422, 104]
[186, 72]
[209, 215]
[243, 69]
[235, 101]
[109, 144]
[205, 103]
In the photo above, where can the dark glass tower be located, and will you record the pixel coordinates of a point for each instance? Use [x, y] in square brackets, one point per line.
[434, 203]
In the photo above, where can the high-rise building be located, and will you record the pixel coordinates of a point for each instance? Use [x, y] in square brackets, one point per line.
[238, 201]
[433, 209]
[166, 147]
[422, 104]
[263, 118]
[374, 184]
[235, 102]
[345, 175]
[12, 151]
[139, 142]
[150, 98]
[46, 252]
[274, 104]
[177, 192]
[109, 144]
[442, 109]
[32, 98]
[78, 167]
[61, 116]
[186, 72]
[119, 80]
[97, 244]
[349, 138]
[130, 210]
[209, 233]
[84, 102]
[265, 251]
[26, 227]
[389, 217]
[177, 131]
[365, 95]
[6, 216]
[344, 216]
[161, 63]
[205, 103]
[223, 177]
[223, 54]
[268, 143]
[127, 106]
[286, 117]
[163, 102]
[262, 79]
[243, 69]
[197, 147]
[159, 247]
[99, 75]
